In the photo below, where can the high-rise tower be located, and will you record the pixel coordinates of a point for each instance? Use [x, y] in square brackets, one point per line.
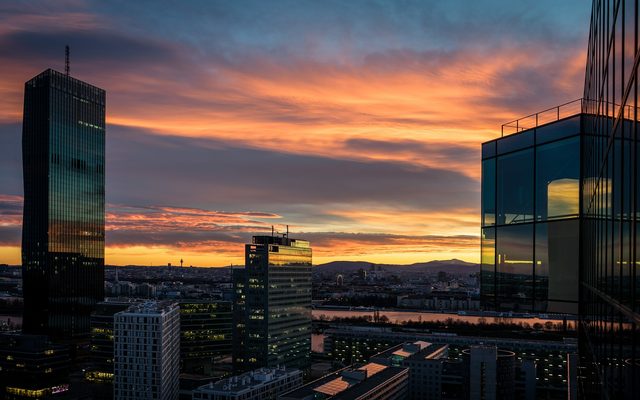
[272, 325]
[63, 142]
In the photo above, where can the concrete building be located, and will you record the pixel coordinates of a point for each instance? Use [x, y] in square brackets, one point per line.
[272, 321]
[371, 381]
[261, 384]
[147, 351]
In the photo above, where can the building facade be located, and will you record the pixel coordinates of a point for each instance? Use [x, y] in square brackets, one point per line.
[205, 334]
[260, 384]
[273, 320]
[530, 218]
[147, 351]
[31, 367]
[63, 145]
[610, 275]
[100, 371]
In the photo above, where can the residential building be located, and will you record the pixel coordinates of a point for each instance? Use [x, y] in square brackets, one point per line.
[260, 384]
[63, 146]
[147, 351]
[371, 381]
[273, 320]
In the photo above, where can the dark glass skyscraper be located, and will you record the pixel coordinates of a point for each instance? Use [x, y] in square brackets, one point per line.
[610, 269]
[272, 325]
[63, 142]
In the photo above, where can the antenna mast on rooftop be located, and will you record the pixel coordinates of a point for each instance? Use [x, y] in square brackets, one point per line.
[66, 60]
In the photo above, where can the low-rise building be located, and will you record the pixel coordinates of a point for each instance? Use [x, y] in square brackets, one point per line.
[371, 381]
[260, 384]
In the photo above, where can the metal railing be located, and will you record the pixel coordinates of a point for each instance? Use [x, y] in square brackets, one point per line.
[553, 114]
[574, 107]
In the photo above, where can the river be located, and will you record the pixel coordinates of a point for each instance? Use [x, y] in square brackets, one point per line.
[398, 317]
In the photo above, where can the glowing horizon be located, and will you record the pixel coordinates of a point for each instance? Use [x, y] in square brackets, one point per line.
[359, 125]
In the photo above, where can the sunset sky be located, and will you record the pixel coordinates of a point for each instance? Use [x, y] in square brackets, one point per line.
[357, 123]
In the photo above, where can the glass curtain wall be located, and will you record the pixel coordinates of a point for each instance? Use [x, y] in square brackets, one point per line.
[530, 209]
[610, 285]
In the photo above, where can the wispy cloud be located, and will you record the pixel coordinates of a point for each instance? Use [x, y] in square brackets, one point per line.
[348, 118]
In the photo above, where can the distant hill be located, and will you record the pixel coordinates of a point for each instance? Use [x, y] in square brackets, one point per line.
[454, 266]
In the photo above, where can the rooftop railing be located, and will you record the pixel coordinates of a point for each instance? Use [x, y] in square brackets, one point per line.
[553, 114]
[566, 110]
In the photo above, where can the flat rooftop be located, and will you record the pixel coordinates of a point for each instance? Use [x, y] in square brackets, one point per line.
[348, 383]
[248, 381]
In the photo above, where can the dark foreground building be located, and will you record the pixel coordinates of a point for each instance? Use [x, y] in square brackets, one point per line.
[31, 367]
[63, 141]
[205, 335]
[610, 273]
[272, 325]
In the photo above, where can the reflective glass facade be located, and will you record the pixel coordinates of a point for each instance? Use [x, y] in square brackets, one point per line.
[530, 219]
[609, 284]
[273, 304]
[63, 142]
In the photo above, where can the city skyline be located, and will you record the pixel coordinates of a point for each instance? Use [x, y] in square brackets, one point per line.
[368, 120]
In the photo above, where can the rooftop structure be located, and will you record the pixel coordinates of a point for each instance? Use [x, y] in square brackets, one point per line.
[262, 383]
[371, 381]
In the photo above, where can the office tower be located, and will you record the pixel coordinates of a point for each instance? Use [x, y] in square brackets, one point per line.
[491, 373]
[531, 214]
[63, 142]
[147, 351]
[100, 371]
[31, 367]
[205, 335]
[610, 274]
[238, 333]
[371, 381]
[260, 384]
[275, 320]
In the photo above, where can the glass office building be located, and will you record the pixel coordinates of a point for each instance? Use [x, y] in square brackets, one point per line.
[609, 275]
[273, 304]
[205, 335]
[530, 217]
[63, 142]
